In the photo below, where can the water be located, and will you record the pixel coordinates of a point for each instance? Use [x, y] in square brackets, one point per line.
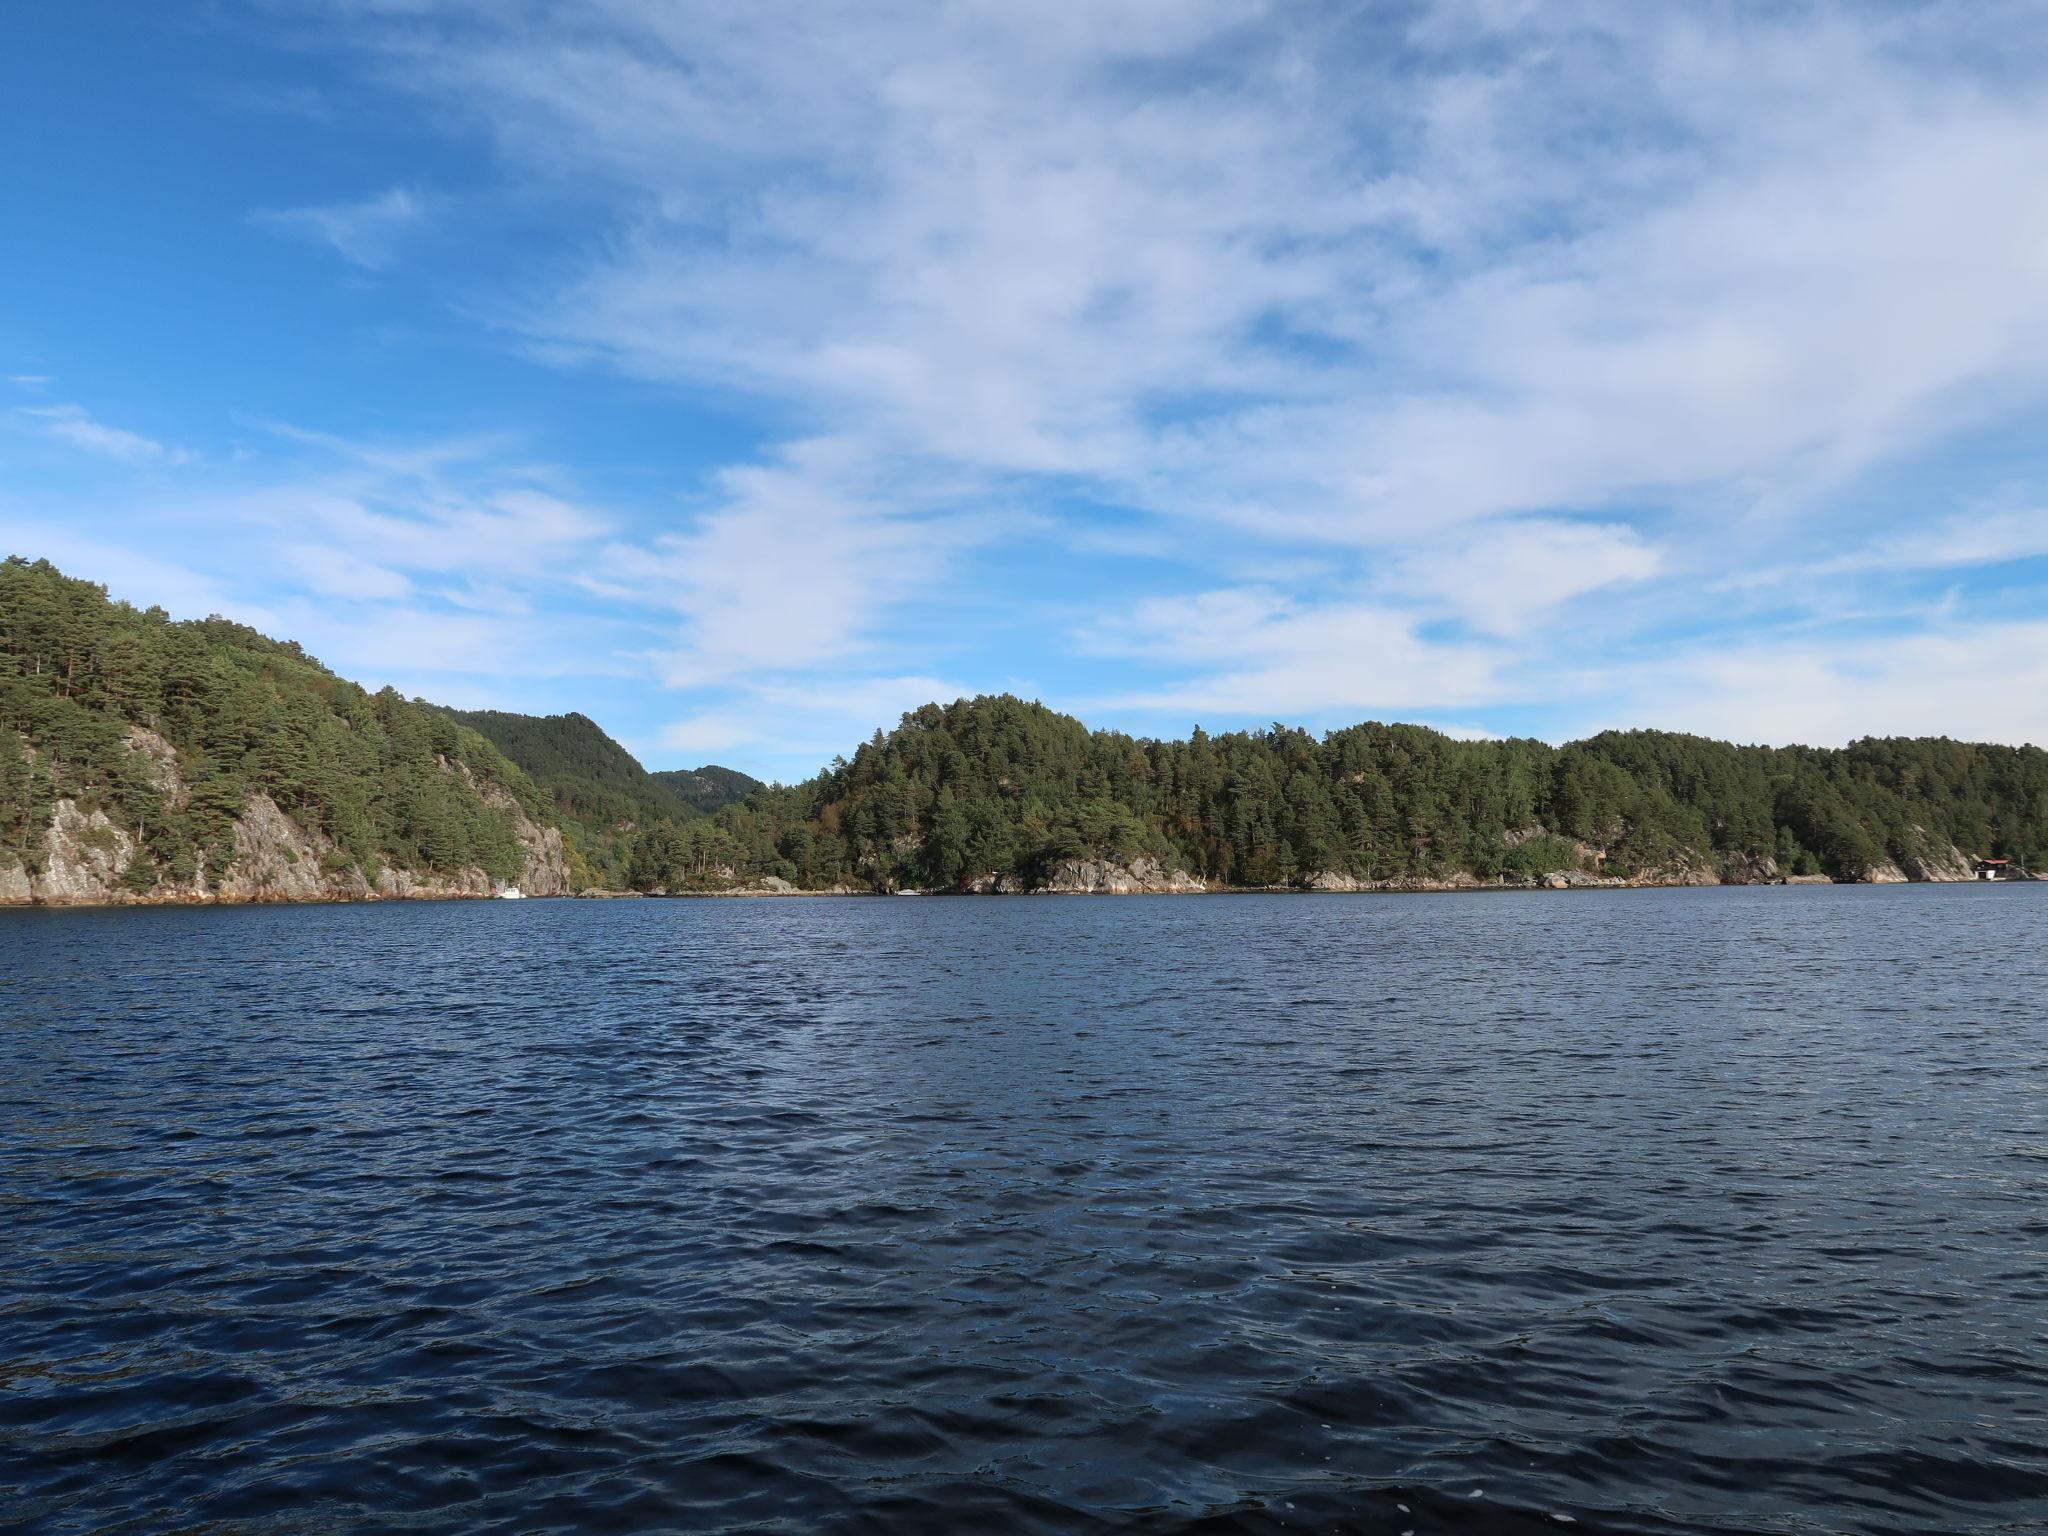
[1682, 1210]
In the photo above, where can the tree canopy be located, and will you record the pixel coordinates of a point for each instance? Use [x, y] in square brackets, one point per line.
[93, 693]
[999, 785]
[390, 781]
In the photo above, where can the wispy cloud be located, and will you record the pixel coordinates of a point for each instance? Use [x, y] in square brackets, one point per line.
[1205, 357]
[366, 233]
[1973, 681]
[713, 731]
[1262, 654]
[793, 561]
[1429, 289]
[1509, 575]
[72, 424]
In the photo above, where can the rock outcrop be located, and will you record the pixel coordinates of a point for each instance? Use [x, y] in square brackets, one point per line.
[1098, 877]
[86, 859]
[1336, 881]
[161, 764]
[1932, 859]
[84, 856]
[1750, 869]
[545, 871]
[993, 884]
[1101, 877]
[278, 860]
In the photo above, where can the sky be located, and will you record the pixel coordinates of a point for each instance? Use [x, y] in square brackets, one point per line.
[744, 376]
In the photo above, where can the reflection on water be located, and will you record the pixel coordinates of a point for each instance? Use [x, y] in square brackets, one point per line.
[1684, 1210]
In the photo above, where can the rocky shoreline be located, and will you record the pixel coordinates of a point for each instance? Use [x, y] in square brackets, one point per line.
[85, 858]
[1147, 877]
[277, 861]
[1412, 886]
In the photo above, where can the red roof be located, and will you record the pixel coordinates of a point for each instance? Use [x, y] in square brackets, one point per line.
[1994, 861]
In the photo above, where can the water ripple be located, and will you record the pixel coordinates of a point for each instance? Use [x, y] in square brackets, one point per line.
[1629, 1212]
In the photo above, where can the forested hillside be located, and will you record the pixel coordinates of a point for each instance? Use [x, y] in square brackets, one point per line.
[160, 740]
[605, 799]
[706, 789]
[200, 758]
[996, 786]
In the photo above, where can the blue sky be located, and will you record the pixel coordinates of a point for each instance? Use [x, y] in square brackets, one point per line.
[744, 376]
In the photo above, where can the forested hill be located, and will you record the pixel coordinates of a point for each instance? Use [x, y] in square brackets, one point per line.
[599, 788]
[168, 760]
[591, 777]
[707, 789]
[996, 793]
[144, 757]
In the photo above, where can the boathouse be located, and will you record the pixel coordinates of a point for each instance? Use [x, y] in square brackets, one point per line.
[1993, 869]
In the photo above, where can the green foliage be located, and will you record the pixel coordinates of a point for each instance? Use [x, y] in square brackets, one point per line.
[386, 779]
[605, 799]
[706, 789]
[589, 776]
[1540, 855]
[989, 786]
[999, 786]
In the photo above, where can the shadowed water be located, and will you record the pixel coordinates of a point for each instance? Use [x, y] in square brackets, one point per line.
[1707, 1210]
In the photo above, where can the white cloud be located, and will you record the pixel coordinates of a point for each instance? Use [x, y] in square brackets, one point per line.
[338, 573]
[711, 731]
[366, 233]
[1262, 654]
[460, 509]
[1325, 277]
[863, 701]
[73, 425]
[1505, 577]
[1401, 326]
[793, 563]
[1011, 242]
[413, 562]
[1976, 682]
[1984, 538]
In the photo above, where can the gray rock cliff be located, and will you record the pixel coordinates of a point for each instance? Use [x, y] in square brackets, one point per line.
[85, 857]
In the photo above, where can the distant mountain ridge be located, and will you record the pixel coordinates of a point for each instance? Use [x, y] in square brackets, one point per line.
[590, 776]
[598, 787]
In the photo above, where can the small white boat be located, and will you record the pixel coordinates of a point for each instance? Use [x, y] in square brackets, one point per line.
[511, 893]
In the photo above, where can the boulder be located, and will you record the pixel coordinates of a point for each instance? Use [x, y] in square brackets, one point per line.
[1334, 880]
[1101, 877]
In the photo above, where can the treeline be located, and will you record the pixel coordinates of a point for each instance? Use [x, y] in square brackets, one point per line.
[997, 785]
[95, 695]
[389, 781]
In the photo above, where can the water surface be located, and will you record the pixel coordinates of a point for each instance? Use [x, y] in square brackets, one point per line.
[1706, 1210]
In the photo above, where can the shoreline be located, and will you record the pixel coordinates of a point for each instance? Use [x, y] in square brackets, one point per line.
[1444, 888]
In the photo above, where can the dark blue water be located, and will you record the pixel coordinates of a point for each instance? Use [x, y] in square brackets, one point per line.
[1718, 1210]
